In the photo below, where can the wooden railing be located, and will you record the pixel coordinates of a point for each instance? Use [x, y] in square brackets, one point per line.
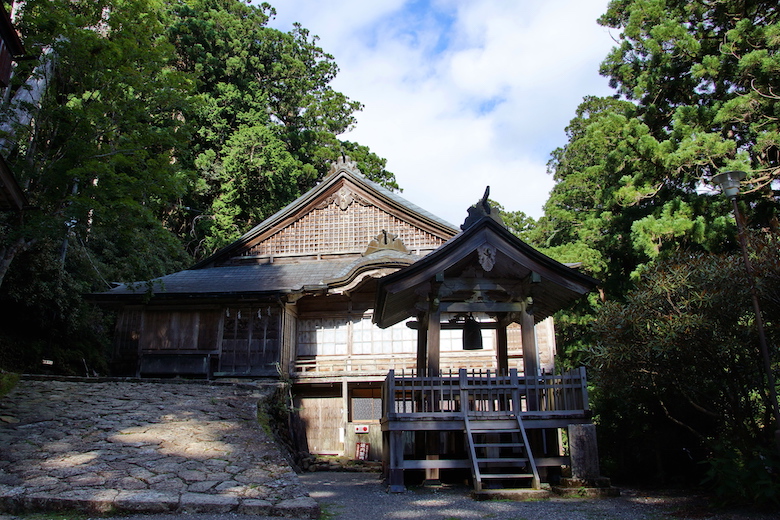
[331, 365]
[407, 395]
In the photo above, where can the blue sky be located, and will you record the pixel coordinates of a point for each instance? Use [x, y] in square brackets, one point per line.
[461, 94]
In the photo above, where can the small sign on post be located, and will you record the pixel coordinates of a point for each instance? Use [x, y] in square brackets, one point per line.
[361, 450]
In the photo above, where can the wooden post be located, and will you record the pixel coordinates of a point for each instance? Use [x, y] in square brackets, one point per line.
[396, 473]
[530, 359]
[345, 415]
[433, 335]
[530, 352]
[388, 395]
[432, 443]
[422, 343]
[502, 349]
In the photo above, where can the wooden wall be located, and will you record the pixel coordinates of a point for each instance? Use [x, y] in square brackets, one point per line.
[323, 418]
[181, 331]
[240, 340]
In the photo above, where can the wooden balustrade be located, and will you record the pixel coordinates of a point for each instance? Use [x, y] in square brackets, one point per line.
[408, 395]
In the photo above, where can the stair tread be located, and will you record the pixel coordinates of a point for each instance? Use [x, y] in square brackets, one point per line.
[495, 430]
[484, 476]
[504, 491]
[502, 459]
[499, 445]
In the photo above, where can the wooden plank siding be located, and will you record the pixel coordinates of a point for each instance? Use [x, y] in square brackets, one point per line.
[323, 419]
[250, 341]
[242, 341]
[126, 344]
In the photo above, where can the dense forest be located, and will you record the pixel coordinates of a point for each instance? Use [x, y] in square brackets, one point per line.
[671, 342]
[149, 133]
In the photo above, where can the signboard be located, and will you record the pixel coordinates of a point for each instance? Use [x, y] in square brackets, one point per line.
[361, 450]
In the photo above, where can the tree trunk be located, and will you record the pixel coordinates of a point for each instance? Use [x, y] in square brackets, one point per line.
[19, 111]
[9, 252]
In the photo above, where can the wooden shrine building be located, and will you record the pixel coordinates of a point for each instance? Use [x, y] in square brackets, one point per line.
[501, 424]
[362, 301]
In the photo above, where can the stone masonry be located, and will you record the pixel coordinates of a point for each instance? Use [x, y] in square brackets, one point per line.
[133, 446]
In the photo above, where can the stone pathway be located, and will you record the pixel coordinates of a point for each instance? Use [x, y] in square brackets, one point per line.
[151, 447]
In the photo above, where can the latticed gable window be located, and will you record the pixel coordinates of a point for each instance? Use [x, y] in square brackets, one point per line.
[332, 229]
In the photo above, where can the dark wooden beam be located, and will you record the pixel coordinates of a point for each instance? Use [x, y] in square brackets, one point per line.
[446, 325]
[482, 307]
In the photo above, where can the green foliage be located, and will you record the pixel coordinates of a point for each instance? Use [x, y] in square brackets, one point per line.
[166, 129]
[98, 162]
[739, 478]
[698, 99]
[677, 368]
[8, 381]
[677, 378]
[266, 120]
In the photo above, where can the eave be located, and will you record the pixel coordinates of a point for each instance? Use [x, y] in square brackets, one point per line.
[551, 284]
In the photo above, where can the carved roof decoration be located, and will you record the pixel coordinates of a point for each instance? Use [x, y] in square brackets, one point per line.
[482, 209]
[344, 162]
[385, 240]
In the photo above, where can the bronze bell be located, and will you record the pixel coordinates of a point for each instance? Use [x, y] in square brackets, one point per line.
[472, 334]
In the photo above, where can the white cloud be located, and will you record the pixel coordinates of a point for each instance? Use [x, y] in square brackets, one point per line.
[460, 94]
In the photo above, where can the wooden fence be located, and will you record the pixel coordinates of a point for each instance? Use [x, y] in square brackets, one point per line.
[407, 395]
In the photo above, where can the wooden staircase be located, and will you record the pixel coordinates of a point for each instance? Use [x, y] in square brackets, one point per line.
[501, 457]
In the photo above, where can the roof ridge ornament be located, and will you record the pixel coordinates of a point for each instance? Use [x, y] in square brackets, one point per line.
[480, 210]
[344, 162]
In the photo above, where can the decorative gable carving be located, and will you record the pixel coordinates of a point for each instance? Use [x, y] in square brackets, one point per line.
[343, 198]
[383, 241]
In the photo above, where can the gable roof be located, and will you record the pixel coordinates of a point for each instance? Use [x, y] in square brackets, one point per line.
[357, 210]
[325, 207]
[490, 258]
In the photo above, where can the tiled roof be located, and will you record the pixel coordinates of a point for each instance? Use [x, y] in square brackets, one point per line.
[262, 278]
[238, 279]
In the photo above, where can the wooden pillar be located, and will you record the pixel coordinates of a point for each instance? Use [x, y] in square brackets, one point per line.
[432, 443]
[396, 471]
[433, 335]
[422, 370]
[502, 345]
[422, 343]
[530, 359]
[530, 352]
[345, 417]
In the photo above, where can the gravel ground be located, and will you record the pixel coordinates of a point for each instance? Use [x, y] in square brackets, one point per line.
[361, 496]
[350, 496]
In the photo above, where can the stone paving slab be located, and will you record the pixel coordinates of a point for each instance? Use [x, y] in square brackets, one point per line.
[142, 447]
